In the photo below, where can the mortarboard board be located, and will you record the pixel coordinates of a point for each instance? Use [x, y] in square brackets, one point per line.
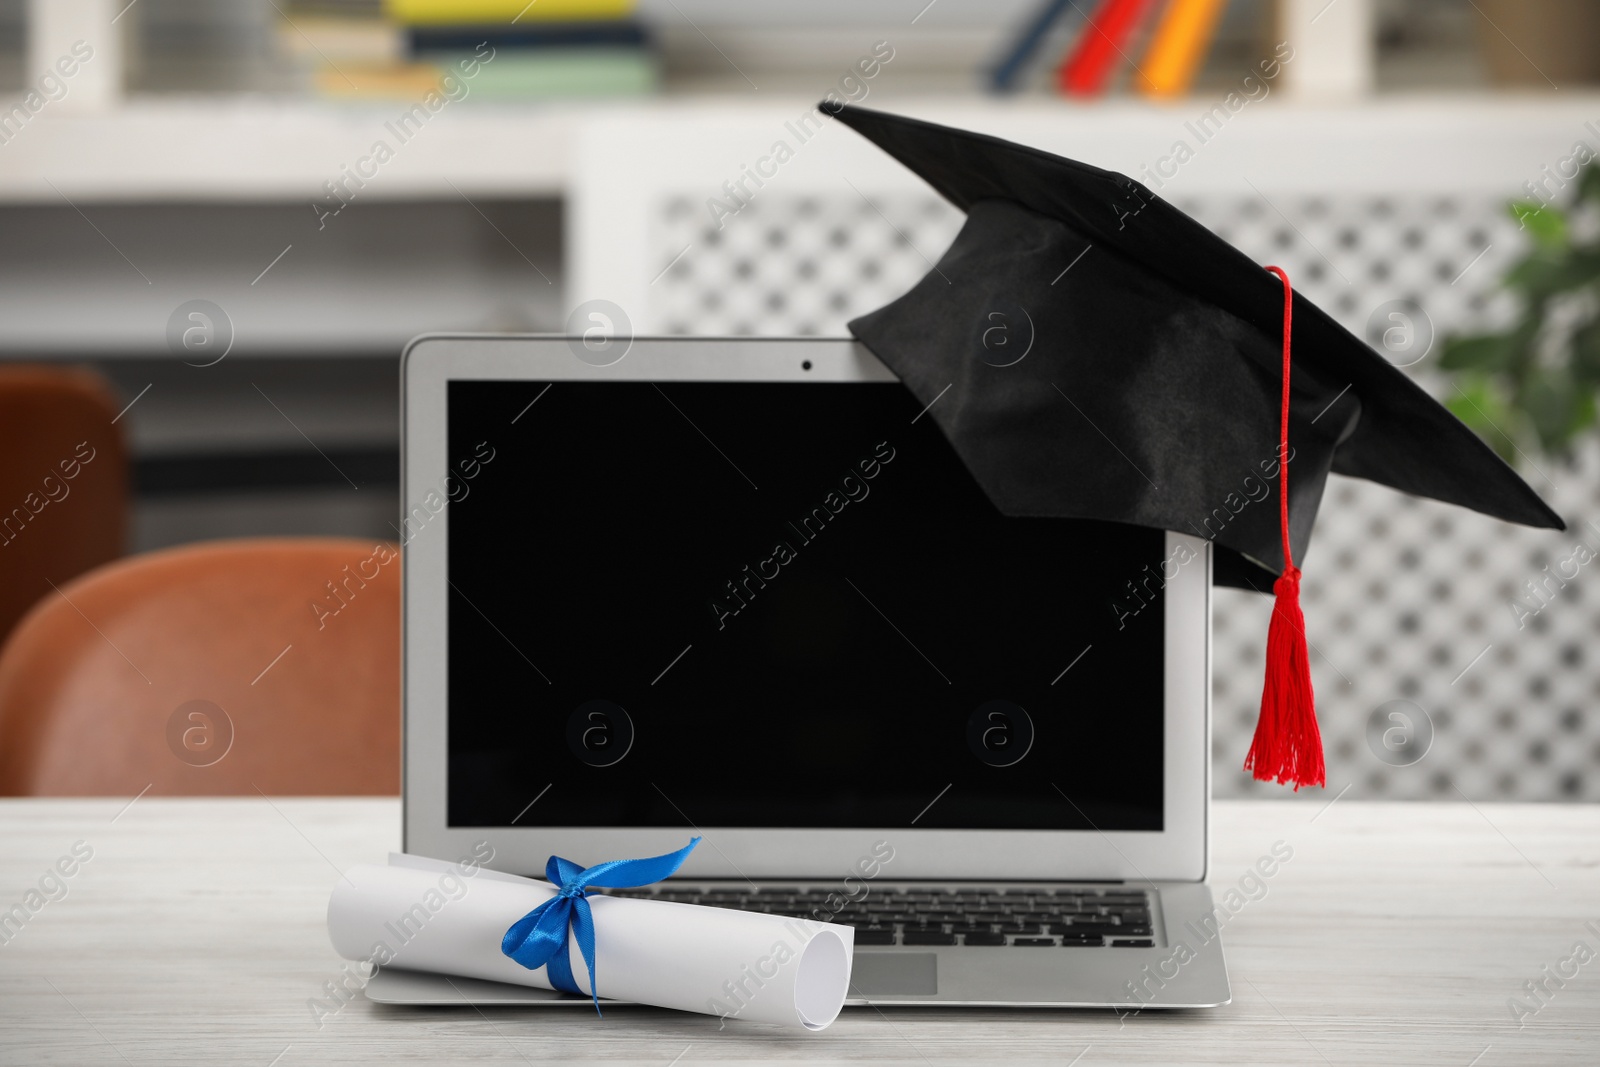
[1090, 351]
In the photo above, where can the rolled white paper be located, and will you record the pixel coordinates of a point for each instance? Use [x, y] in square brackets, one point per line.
[423, 915]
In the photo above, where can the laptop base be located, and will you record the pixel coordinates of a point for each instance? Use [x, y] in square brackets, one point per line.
[1184, 968]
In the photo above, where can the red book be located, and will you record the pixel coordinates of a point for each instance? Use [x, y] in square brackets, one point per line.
[1103, 42]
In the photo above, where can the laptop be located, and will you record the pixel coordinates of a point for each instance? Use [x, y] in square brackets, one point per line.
[744, 589]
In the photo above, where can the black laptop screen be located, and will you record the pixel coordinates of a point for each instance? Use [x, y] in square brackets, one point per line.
[779, 605]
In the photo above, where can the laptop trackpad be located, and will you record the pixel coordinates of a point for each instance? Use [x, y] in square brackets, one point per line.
[891, 973]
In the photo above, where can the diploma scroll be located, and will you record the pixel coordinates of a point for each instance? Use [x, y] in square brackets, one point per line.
[746, 965]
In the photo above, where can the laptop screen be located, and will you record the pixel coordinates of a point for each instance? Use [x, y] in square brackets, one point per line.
[780, 605]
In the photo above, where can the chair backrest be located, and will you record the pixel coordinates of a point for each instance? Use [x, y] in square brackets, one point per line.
[63, 482]
[228, 667]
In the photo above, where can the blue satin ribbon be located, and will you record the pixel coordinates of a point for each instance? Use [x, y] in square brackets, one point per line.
[539, 938]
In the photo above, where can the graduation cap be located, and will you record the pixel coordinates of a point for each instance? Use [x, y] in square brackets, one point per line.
[1090, 351]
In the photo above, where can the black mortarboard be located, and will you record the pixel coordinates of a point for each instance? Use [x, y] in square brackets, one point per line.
[1090, 351]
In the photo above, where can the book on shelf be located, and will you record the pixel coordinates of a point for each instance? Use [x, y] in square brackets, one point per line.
[337, 38]
[545, 50]
[1050, 18]
[505, 12]
[544, 74]
[1182, 38]
[377, 81]
[620, 33]
[1088, 67]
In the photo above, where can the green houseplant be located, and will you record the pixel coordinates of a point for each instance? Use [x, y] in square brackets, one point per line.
[1534, 384]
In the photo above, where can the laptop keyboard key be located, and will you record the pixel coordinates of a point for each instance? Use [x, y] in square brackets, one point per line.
[1038, 941]
[874, 937]
[983, 938]
[927, 937]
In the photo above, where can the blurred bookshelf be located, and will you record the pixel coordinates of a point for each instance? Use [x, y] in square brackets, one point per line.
[354, 49]
[261, 99]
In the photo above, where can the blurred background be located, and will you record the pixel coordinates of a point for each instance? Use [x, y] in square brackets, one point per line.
[234, 213]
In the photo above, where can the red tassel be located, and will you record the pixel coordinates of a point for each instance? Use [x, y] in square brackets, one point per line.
[1288, 744]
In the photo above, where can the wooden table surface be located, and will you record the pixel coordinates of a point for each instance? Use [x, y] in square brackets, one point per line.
[1396, 934]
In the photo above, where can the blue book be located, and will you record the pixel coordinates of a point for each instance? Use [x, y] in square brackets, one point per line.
[615, 33]
[1004, 76]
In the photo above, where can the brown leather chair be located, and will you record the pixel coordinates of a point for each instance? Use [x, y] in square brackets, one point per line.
[63, 482]
[224, 667]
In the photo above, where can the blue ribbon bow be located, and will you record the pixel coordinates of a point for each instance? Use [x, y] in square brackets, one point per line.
[539, 938]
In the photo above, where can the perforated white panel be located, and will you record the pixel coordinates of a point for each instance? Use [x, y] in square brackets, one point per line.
[797, 265]
[1406, 600]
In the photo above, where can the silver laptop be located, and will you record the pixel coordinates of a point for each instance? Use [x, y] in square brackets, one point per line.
[744, 589]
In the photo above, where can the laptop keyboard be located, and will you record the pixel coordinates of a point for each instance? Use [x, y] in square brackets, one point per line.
[1022, 917]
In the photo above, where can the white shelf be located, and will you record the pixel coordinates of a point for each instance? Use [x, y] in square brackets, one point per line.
[262, 149]
[265, 149]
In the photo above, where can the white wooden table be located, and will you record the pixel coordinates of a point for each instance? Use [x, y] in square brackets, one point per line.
[1397, 934]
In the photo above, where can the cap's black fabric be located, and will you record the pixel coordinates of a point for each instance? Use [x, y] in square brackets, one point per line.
[1151, 386]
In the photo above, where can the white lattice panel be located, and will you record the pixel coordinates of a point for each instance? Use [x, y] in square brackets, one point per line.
[788, 266]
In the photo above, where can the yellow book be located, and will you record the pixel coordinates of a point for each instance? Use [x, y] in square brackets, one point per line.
[1179, 46]
[487, 12]
[397, 81]
[336, 39]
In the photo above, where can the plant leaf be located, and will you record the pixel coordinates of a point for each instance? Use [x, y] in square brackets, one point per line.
[1544, 274]
[1478, 405]
[1585, 412]
[1484, 353]
[1586, 353]
[1546, 222]
[1589, 183]
[1557, 407]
